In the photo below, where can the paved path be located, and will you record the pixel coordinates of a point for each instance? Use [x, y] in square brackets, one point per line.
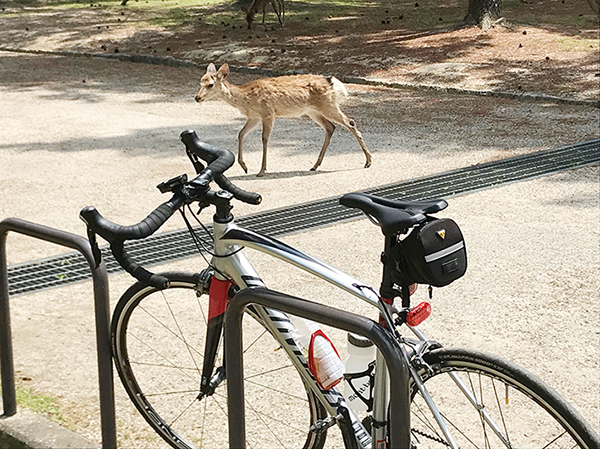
[531, 293]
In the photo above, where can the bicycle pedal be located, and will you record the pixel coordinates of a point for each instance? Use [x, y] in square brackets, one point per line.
[324, 424]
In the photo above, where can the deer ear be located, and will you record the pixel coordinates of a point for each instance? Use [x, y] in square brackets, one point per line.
[211, 68]
[223, 71]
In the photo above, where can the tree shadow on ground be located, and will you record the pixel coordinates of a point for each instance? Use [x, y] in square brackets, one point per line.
[381, 38]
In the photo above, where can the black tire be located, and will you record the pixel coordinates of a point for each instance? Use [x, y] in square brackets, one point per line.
[158, 344]
[535, 416]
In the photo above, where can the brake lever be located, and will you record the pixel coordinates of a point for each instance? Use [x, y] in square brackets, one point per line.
[198, 165]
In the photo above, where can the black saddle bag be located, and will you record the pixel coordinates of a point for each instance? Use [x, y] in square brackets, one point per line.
[433, 253]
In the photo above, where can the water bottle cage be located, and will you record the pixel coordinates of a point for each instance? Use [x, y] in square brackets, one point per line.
[350, 377]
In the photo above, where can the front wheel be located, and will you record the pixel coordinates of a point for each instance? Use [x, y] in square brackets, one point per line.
[488, 402]
[158, 339]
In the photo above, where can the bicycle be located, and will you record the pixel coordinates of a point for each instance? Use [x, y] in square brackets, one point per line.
[167, 328]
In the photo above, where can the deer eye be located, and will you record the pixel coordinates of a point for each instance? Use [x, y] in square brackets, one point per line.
[210, 86]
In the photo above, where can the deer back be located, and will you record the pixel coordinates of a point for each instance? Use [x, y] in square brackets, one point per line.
[285, 96]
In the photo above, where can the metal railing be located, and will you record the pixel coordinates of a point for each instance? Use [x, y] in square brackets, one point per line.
[102, 313]
[399, 411]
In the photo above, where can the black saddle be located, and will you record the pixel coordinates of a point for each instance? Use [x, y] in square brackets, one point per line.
[392, 216]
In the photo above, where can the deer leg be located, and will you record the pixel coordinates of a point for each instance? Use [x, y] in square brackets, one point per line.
[336, 115]
[267, 126]
[329, 128]
[277, 12]
[249, 126]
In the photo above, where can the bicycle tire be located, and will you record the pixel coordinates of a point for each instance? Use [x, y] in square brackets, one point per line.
[533, 416]
[158, 343]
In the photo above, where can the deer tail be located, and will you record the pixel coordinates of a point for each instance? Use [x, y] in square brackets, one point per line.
[338, 88]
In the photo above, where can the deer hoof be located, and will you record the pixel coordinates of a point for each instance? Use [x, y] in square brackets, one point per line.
[260, 174]
[368, 164]
[313, 169]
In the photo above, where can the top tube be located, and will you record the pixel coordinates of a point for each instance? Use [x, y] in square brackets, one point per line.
[230, 234]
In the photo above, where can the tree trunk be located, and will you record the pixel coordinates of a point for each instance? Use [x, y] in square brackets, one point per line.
[482, 13]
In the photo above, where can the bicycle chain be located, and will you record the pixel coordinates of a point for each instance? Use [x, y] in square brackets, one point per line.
[431, 437]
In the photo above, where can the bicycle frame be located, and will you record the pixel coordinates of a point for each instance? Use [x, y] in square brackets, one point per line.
[230, 261]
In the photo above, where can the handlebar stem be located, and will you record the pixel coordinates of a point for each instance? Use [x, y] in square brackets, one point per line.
[222, 201]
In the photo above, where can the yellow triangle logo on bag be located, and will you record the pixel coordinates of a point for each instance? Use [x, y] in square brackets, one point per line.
[442, 233]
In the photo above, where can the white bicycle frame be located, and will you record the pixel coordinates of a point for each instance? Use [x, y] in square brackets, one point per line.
[230, 261]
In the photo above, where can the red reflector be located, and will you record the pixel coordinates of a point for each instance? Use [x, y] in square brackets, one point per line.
[418, 314]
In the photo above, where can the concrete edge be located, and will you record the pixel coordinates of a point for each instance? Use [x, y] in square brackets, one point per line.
[27, 430]
[174, 62]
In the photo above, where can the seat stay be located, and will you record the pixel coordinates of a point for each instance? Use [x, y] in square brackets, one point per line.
[392, 216]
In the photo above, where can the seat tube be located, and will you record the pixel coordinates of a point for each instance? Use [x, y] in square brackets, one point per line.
[380, 426]
[381, 398]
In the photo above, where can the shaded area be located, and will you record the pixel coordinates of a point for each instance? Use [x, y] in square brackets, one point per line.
[550, 41]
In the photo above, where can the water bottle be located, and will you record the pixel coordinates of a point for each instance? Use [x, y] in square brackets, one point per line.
[360, 364]
[323, 360]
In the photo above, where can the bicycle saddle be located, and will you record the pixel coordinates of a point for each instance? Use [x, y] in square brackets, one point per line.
[392, 216]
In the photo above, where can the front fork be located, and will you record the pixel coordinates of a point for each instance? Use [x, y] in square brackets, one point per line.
[218, 293]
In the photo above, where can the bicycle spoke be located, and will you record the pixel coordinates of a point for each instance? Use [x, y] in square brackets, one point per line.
[171, 364]
[267, 426]
[470, 390]
[162, 365]
[171, 331]
[163, 335]
[173, 392]
[179, 328]
[182, 413]
[268, 372]
[255, 340]
[499, 405]
[278, 391]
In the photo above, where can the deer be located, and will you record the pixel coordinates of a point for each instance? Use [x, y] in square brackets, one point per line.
[257, 5]
[262, 100]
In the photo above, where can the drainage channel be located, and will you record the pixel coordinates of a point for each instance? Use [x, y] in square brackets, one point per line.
[170, 246]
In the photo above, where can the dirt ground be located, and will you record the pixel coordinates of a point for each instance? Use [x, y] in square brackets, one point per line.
[547, 47]
[90, 131]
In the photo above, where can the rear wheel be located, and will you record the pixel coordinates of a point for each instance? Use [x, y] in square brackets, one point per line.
[526, 413]
[158, 341]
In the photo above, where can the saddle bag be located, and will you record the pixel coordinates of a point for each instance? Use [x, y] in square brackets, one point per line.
[433, 253]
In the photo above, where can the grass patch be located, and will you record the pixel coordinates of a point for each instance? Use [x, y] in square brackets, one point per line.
[576, 43]
[39, 403]
[172, 18]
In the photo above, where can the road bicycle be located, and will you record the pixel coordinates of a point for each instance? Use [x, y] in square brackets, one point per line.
[167, 340]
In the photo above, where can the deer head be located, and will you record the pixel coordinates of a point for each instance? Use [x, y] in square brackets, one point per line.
[210, 83]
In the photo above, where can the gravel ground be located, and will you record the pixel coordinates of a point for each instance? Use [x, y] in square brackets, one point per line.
[81, 131]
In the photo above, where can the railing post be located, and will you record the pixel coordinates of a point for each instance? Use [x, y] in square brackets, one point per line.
[102, 317]
[9, 400]
[399, 411]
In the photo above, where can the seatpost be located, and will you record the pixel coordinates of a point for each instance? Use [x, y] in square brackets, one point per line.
[387, 290]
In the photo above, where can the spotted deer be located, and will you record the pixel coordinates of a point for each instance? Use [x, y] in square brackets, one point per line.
[262, 100]
[261, 5]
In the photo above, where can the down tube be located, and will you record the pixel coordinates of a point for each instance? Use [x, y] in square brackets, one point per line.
[280, 326]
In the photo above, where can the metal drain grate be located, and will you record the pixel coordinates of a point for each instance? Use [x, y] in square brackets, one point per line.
[170, 246]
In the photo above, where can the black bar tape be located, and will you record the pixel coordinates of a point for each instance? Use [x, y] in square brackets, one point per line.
[218, 161]
[112, 231]
[137, 271]
[240, 194]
